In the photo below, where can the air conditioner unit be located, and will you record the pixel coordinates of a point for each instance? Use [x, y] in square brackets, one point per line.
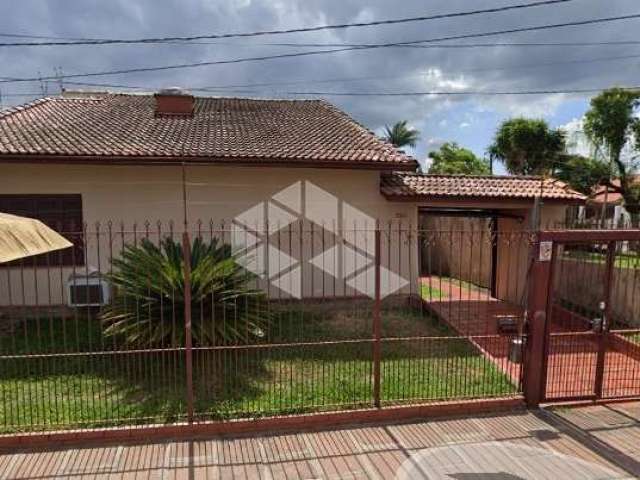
[88, 290]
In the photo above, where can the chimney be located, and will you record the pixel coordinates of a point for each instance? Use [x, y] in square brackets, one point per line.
[173, 102]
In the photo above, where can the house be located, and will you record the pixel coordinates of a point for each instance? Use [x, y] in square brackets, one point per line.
[99, 165]
[611, 199]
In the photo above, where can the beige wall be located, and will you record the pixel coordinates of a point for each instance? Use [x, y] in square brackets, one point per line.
[468, 255]
[570, 286]
[458, 247]
[342, 200]
[513, 251]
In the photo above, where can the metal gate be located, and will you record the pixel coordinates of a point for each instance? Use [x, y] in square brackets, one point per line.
[592, 343]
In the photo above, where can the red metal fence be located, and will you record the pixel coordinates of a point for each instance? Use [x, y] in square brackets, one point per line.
[262, 322]
[149, 325]
[591, 347]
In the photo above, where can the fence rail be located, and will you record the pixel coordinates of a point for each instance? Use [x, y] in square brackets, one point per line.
[264, 321]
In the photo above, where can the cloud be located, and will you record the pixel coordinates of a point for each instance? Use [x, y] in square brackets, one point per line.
[379, 70]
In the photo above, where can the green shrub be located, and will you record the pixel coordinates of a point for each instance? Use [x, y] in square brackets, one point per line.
[147, 308]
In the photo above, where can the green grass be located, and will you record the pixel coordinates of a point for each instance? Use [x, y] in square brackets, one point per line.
[622, 260]
[430, 292]
[438, 287]
[100, 390]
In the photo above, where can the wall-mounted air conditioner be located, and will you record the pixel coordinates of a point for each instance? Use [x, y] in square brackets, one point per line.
[87, 290]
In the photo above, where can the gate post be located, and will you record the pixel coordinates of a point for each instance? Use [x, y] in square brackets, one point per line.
[377, 327]
[606, 324]
[543, 254]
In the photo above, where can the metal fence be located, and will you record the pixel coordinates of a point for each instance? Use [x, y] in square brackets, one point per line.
[593, 347]
[152, 324]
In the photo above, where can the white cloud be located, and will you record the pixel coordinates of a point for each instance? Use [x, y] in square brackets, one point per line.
[386, 69]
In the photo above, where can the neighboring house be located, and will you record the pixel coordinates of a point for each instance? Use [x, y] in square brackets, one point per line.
[577, 143]
[104, 160]
[613, 202]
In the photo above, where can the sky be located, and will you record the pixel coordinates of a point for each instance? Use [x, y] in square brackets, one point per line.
[469, 120]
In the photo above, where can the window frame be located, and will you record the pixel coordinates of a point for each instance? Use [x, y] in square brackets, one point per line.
[67, 218]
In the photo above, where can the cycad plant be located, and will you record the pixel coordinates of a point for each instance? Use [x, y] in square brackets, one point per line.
[148, 300]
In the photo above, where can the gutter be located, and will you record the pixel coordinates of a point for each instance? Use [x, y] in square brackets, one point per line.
[204, 161]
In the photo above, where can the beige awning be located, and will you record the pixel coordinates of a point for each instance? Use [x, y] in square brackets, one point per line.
[24, 237]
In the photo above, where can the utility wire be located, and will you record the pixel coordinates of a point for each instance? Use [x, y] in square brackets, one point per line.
[482, 45]
[323, 52]
[360, 78]
[430, 93]
[386, 77]
[111, 41]
[452, 93]
[343, 44]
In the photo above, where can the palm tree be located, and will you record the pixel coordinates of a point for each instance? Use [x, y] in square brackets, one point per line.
[527, 146]
[400, 134]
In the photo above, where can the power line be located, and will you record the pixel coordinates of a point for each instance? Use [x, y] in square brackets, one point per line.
[451, 93]
[363, 78]
[323, 52]
[344, 44]
[31, 94]
[111, 41]
[430, 46]
[457, 71]
[428, 93]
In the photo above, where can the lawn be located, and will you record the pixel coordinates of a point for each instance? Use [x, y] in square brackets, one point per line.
[98, 389]
[622, 260]
[440, 287]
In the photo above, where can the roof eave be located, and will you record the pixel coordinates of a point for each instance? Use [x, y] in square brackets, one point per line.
[65, 159]
[478, 199]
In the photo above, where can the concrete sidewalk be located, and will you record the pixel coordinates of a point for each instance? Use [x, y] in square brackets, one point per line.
[509, 445]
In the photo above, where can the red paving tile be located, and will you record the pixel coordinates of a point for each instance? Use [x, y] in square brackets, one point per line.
[572, 354]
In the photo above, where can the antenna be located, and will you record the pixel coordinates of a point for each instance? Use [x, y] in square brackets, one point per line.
[43, 84]
[59, 77]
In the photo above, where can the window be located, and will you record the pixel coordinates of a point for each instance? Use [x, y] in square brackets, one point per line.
[63, 213]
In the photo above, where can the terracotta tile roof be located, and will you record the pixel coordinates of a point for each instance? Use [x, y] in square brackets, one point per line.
[124, 126]
[415, 185]
[614, 197]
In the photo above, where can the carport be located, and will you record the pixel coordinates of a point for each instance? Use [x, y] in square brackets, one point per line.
[474, 230]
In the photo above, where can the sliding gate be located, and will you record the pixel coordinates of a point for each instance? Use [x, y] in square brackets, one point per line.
[592, 348]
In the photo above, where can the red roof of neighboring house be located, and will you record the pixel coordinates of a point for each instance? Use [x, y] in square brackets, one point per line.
[113, 127]
[417, 186]
[614, 197]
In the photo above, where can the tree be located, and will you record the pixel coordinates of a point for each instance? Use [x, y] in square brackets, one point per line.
[610, 123]
[581, 173]
[527, 146]
[400, 135]
[453, 159]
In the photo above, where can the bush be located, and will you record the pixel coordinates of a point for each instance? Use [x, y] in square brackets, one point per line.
[148, 301]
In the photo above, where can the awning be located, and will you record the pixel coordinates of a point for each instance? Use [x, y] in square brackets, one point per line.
[24, 237]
